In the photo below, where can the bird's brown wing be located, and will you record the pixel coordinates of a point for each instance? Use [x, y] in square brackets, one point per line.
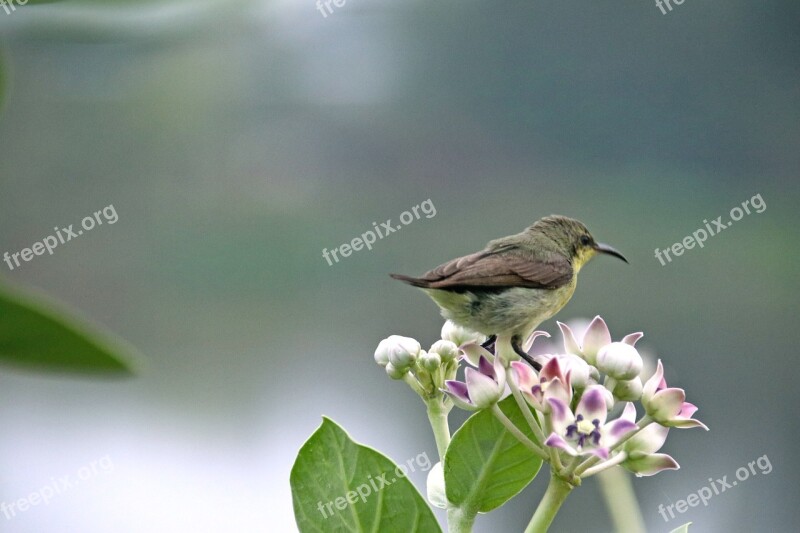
[499, 268]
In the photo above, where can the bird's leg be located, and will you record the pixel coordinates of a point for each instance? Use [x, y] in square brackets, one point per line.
[520, 352]
[489, 343]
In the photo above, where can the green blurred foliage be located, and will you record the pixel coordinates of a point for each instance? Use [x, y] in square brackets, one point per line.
[36, 336]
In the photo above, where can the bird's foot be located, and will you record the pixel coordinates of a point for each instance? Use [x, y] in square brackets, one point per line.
[522, 353]
[489, 343]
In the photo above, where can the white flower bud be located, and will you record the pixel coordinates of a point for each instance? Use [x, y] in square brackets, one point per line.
[436, 493]
[447, 350]
[382, 353]
[458, 335]
[579, 370]
[394, 373]
[429, 361]
[399, 351]
[629, 391]
[619, 360]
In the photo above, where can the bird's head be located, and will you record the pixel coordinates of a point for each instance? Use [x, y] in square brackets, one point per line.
[572, 238]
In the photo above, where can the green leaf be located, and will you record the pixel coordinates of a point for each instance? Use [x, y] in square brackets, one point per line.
[36, 336]
[330, 468]
[485, 465]
[683, 529]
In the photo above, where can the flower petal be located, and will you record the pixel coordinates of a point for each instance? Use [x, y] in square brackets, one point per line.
[681, 423]
[647, 465]
[561, 415]
[629, 412]
[472, 352]
[483, 390]
[615, 430]
[632, 338]
[596, 337]
[524, 375]
[666, 404]
[652, 384]
[552, 369]
[593, 404]
[528, 344]
[457, 389]
[486, 368]
[649, 440]
[458, 393]
[602, 452]
[557, 389]
[556, 441]
[570, 344]
[687, 410]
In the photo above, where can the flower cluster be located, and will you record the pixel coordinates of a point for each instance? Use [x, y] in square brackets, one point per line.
[425, 371]
[572, 397]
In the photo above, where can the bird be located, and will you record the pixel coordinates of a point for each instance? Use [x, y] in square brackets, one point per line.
[516, 282]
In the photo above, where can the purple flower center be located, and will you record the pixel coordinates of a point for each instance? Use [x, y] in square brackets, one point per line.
[583, 430]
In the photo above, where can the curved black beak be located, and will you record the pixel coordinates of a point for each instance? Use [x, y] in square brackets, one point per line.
[606, 249]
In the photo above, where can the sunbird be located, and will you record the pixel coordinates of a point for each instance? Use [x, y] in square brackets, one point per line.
[516, 282]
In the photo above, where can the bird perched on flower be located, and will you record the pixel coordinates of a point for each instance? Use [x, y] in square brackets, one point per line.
[516, 282]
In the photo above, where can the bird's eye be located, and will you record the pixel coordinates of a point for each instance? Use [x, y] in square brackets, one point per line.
[586, 240]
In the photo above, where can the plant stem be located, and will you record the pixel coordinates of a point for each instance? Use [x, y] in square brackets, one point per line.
[437, 415]
[620, 498]
[601, 467]
[514, 430]
[557, 492]
[459, 521]
[523, 406]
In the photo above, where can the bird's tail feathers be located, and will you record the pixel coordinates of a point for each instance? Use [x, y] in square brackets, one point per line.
[414, 282]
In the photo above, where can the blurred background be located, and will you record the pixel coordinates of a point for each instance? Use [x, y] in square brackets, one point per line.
[236, 140]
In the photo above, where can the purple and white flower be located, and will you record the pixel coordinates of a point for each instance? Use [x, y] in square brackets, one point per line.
[549, 383]
[481, 388]
[640, 450]
[586, 431]
[667, 405]
[594, 339]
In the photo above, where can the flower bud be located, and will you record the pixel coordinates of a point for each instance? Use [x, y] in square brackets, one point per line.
[619, 360]
[579, 370]
[447, 350]
[629, 391]
[401, 352]
[429, 361]
[382, 353]
[394, 373]
[436, 493]
[458, 335]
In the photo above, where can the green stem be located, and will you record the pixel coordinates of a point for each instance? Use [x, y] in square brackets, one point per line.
[514, 430]
[459, 521]
[620, 498]
[557, 492]
[523, 405]
[437, 416]
[598, 468]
